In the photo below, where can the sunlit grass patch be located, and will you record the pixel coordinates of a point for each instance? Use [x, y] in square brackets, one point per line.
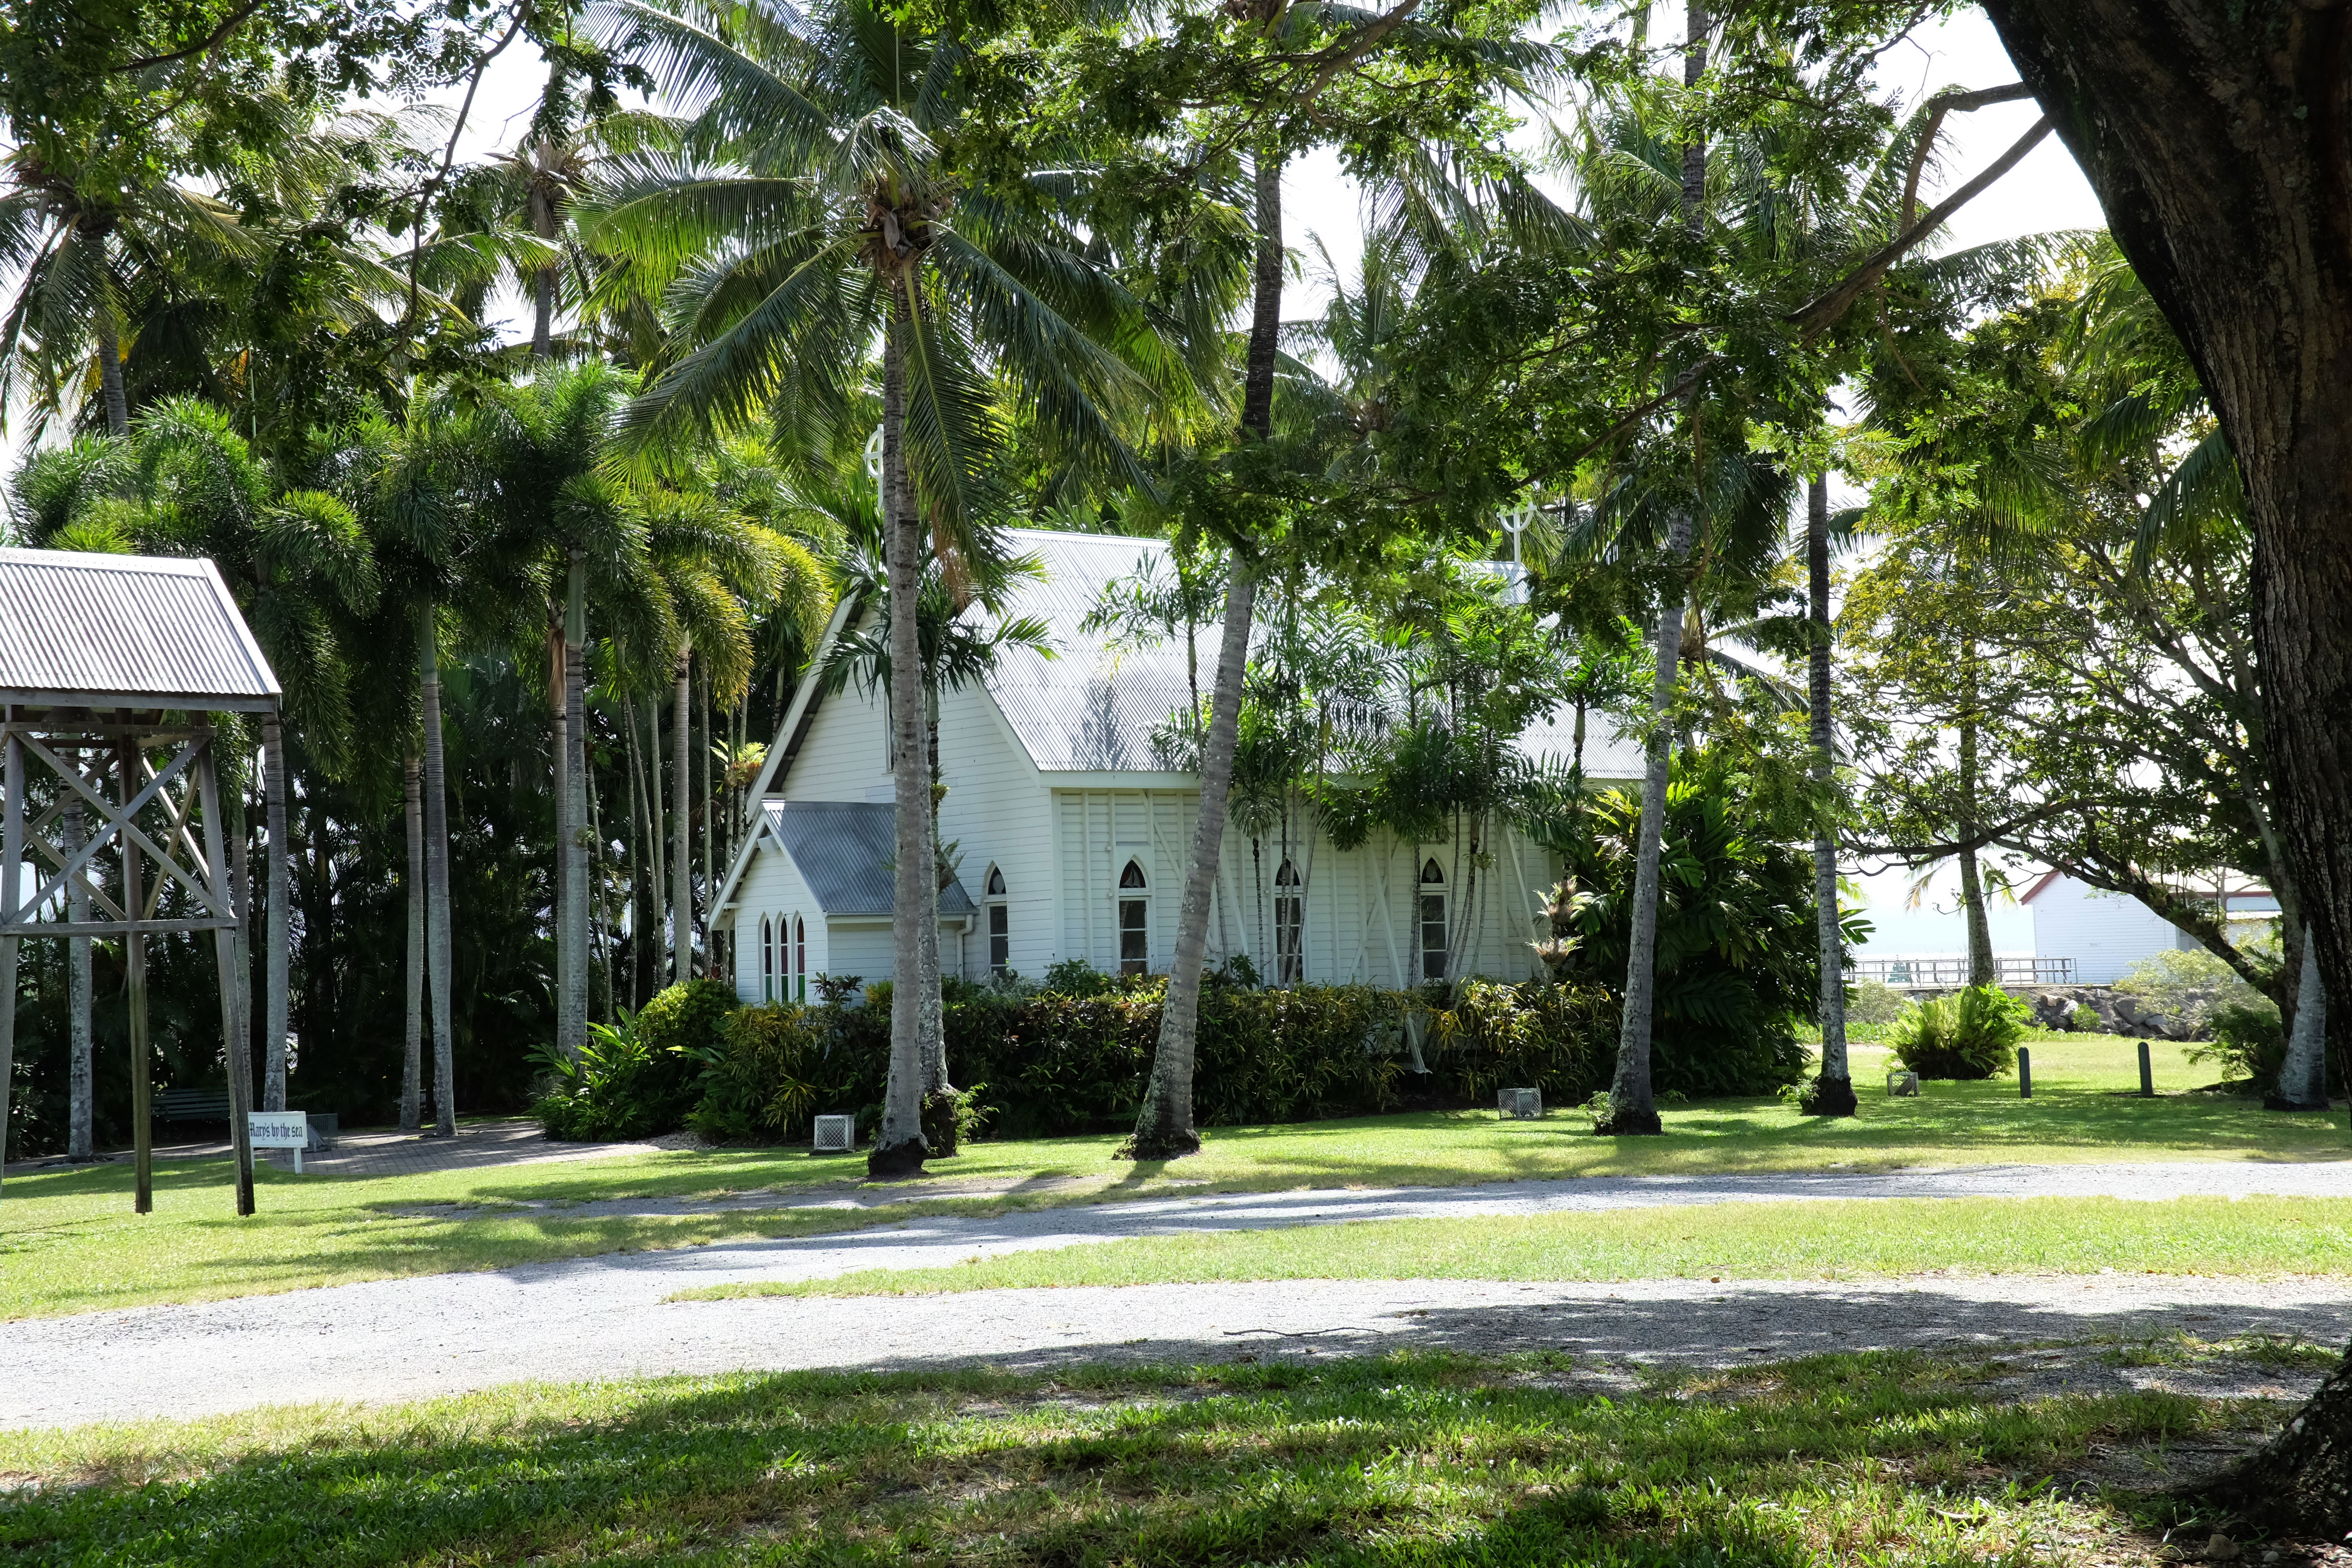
[1890, 1238]
[68, 1242]
[1405, 1458]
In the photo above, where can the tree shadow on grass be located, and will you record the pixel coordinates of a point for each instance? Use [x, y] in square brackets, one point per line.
[1384, 1461]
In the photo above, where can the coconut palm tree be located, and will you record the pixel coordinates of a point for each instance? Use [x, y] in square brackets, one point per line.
[808, 211]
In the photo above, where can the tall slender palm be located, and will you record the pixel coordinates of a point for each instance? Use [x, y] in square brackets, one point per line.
[811, 209]
[960, 643]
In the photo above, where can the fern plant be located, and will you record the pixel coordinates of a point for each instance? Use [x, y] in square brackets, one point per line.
[1971, 1034]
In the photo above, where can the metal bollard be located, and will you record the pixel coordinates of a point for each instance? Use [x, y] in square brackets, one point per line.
[2146, 1074]
[2024, 1073]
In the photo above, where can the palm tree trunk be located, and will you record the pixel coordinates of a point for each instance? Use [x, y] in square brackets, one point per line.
[277, 928]
[900, 1148]
[657, 862]
[1982, 970]
[933, 1024]
[80, 1141]
[2303, 1076]
[572, 1010]
[412, 1061]
[681, 783]
[1631, 1109]
[711, 964]
[1833, 1090]
[438, 956]
[1163, 1125]
[109, 372]
[559, 762]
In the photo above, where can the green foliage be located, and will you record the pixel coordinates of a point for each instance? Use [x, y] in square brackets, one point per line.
[1052, 1062]
[1971, 1034]
[643, 1077]
[2191, 984]
[1075, 977]
[2249, 1044]
[1739, 951]
[2084, 1019]
[1873, 1004]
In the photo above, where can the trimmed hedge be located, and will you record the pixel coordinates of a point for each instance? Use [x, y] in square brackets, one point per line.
[1052, 1063]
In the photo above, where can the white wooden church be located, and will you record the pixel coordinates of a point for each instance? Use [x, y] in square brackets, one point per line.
[1071, 838]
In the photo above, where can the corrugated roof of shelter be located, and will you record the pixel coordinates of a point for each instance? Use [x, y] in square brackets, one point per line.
[83, 629]
[1093, 707]
[845, 849]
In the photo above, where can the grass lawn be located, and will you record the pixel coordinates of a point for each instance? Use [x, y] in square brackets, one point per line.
[68, 1242]
[1889, 1459]
[1894, 1237]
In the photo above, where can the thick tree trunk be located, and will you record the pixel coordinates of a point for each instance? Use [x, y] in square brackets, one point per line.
[2303, 1076]
[1630, 1107]
[1163, 1125]
[572, 847]
[79, 1105]
[109, 373]
[681, 784]
[1982, 969]
[1833, 1089]
[2218, 134]
[439, 958]
[277, 929]
[900, 1148]
[411, 1060]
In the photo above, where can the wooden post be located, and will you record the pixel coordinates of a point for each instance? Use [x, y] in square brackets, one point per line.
[2024, 1073]
[2146, 1074]
[240, 1054]
[134, 958]
[12, 856]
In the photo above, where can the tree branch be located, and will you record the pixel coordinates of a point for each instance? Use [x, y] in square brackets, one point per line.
[431, 187]
[1824, 310]
[236, 19]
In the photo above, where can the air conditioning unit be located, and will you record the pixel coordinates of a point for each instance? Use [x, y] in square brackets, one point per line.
[1524, 1104]
[837, 1134]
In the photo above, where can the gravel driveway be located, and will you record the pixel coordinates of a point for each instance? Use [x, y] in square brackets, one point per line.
[606, 1317]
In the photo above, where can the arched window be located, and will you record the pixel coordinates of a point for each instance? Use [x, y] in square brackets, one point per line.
[800, 959]
[1433, 922]
[1289, 927]
[767, 959]
[1134, 922]
[1000, 924]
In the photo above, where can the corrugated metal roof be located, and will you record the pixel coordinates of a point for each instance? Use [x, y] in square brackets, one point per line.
[1093, 709]
[127, 630]
[845, 849]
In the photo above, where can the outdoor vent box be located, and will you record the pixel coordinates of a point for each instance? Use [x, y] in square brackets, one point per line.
[1525, 1104]
[837, 1134]
[1902, 1085]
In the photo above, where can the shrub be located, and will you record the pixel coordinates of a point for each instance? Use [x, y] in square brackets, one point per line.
[2084, 1019]
[1049, 1062]
[641, 1077]
[1968, 1034]
[2249, 1045]
[1873, 1004]
[2191, 984]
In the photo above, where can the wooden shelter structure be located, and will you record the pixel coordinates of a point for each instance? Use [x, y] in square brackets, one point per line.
[112, 671]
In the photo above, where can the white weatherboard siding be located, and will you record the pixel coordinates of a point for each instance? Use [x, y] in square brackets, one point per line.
[2104, 933]
[1054, 783]
[772, 888]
